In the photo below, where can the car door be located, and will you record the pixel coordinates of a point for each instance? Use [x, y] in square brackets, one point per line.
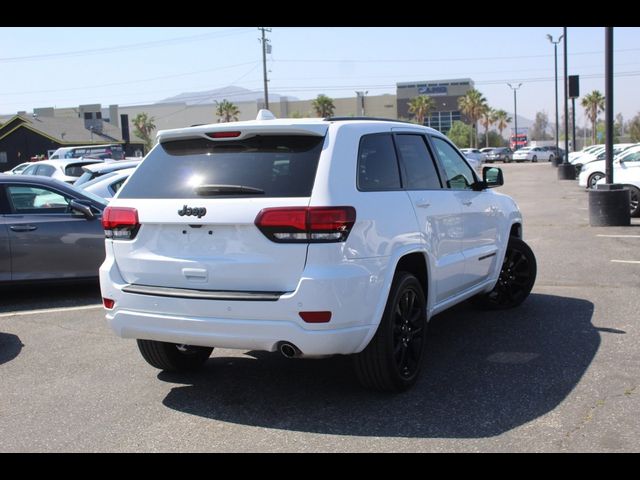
[481, 214]
[627, 170]
[48, 240]
[437, 211]
[5, 250]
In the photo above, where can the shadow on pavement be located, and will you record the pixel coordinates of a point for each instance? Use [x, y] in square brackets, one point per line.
[42, 295]
[485, 373]
[10, 347]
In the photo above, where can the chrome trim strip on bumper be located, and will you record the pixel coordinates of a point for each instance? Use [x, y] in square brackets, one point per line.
[203, 294]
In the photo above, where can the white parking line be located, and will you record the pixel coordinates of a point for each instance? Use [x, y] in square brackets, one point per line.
[51, 310]
[619, 236]
[626, 261]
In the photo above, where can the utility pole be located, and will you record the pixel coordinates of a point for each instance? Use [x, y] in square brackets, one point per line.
[566, 171]
[265, 46]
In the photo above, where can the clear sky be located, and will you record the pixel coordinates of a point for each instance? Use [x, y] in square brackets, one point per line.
[69, 66]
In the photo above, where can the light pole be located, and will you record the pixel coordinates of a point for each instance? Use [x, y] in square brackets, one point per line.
[360, 96]
[515, 113]
[555, 57]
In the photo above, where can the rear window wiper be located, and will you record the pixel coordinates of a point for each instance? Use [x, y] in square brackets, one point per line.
[213, 189]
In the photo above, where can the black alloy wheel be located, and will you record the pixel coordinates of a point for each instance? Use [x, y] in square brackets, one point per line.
[392, 361]
[634, 204]
[516, 279]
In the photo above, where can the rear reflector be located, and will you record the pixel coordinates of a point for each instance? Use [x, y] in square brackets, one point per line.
[223, 134]
[315, 317]
[306, 224]
[108, 303]
[120, 223]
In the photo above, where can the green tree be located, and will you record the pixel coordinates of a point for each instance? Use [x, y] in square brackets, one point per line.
[460, 133]
[539, 128]
[634, 128]
[488, 118]
[227, 111]
[502, 120]
[593, 104]
[473, 105]
[323, 106]
[420, 107]
[143, 127]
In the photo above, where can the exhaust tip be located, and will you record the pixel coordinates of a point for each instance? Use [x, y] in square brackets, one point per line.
[289, 350]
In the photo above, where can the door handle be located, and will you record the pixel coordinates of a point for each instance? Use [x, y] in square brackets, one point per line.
[423, 204]
[467, 203]
[23, 228]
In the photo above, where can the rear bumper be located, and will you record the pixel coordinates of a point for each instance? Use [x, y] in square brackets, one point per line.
[350, 291]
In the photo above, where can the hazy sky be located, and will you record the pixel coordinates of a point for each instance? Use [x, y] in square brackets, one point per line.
[68, 66]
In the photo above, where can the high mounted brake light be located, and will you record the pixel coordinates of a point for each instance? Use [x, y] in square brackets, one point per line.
[223, 134]
[120, 223]
[306, 224]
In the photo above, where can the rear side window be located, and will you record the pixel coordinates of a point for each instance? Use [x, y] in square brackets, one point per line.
[278, 165]
[418, 164]
[45, 170]
[75, 169]
[377, 163]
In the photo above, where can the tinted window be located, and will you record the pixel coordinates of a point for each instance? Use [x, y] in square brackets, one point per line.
[459, 173]
[377, 163]
[29, 199]
[75, 169]
[46, 170]
[420, 171]
[280, 165]
[30, 170]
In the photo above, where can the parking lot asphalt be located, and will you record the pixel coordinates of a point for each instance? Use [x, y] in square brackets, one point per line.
[559, 373]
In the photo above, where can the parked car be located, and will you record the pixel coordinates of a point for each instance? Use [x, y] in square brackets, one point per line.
[600, 154]
[311, 237]
[531, 154]
[474, 153]
[573, 156]
[68, 170]
[93, 171]
[503, 154]
[555, 153]
[49, 230]
[108, 185]
[18, 169]
[628, 161]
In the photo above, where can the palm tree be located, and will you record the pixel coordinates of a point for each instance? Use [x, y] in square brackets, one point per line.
[323, 106]
[473, 105]
[502, 120]
[593, 104]
[143, 127]
[488, 119]
[420, 106]
[227, 111]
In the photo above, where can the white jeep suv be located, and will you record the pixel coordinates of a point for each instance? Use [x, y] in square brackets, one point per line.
[311, 237]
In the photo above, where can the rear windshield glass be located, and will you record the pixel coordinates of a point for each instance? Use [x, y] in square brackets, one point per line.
[279, 165]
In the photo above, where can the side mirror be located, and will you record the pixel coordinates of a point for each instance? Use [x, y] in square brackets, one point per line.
[492, 177]
[82, 209]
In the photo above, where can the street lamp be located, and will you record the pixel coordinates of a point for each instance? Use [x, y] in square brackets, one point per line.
[555, 57]
[361, 96]
[515, 113]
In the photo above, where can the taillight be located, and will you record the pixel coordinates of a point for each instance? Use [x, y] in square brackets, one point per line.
[120, 223]
[233, 134]
[306, 224]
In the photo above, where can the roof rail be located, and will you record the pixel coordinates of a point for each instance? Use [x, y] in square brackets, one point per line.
[374, 119]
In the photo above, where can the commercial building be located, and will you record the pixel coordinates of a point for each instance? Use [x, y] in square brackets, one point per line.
[445, 94]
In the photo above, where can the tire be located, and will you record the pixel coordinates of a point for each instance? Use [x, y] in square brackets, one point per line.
[534, 159]
[173, 357]
[393, 359]
[634, 194]
[551, 157]
[593, 179]
[517, 276]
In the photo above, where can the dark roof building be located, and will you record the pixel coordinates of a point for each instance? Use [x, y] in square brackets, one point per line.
[23, 137]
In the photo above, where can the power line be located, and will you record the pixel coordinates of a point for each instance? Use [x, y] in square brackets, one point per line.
[131, 46]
